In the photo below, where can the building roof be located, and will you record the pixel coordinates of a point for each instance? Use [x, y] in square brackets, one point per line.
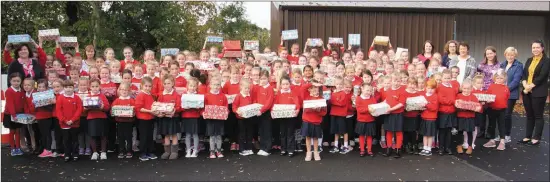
[540, 6]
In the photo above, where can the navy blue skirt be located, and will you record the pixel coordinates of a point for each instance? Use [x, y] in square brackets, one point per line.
[365, 129]
[98, 127]
[447, 120]
[214, 127]
[466, 124]
[311, 130]
[338, 125]
[169, 126]
[190, 125]
[428, 128]
[394, 122]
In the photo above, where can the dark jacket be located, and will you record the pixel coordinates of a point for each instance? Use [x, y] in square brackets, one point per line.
[540, 77]
[514, 77]
[16, 67]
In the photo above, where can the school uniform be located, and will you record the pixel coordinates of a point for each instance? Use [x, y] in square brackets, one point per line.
[180, 82]
[231, 126]
[311, 125]
[245, 124]
[110, 123]
[480, 118]
[466, 118]
[69, 108]
[365, 127]
[145, 121]
[98, 125]
[428, 125]
[190, 119]
[215, 127]
[124, 125]
[339, 108]
[264, 95]
[446, 117]
[394, 121]
[498, 108]
[14, 106]
[170, 125]
[45, 122]
[287, 125]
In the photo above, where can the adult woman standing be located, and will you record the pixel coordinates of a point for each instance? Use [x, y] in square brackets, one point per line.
[451, 52]
[25, 65]
[428, 51]
[535, 91]
[465, 63]
[488, 66]
[90, 59]
[514, 71]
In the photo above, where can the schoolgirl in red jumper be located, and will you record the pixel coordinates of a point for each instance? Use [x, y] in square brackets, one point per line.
[466, 118]
[169, 123]
[339, 101]
[215, 128]
[410, 118]
[351, 118]
[83, 136]
[480, 117]
[28, 87]
[105, 83]
[428, 125]
[190, 122]
[137, 75]
[384, 86]
[311, 125]
[44, 119]
[446, 93]
[14, 106]
[98, 126]
[231, 87]
[68, 109]
[287, 125]
[393, 123]
[143, 102]
[124, 124]
[496, 116]
[365, 127]
[57, 86]
[127, 78]
[263, 94]
[128, 58]
[179, 81]
[245, 124]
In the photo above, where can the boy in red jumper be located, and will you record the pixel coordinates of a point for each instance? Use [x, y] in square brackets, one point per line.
[14, 106]
[312, 118]
[287, 125]
[466, 118]
[339, 101]
[124, 124]
[143, 102]
[97, 121]
[446, 93]
[428, 125]
[366, 127]
[68, 109]
[498, 108]
[245, 124]
[263, 94]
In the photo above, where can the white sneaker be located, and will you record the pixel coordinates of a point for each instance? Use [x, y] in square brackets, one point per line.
[194, 154]
[352, 143]
[508, 139]
[95, 155]
[55, 154]
[250, 152]
[465, 145]
[103, 156]
[188, 154]
[497, 138]
[263, 153]
[325, 144]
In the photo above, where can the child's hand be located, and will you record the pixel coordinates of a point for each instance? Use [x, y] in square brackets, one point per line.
[259, 113]
[52, 101]
[69, 122]
[478, 109]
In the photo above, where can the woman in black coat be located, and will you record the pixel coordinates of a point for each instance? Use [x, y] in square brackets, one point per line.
[25, 65]
[535, 91]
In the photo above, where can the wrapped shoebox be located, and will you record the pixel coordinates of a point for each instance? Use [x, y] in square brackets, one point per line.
[122, 111]
[207, 66]
[180, 90]
[381, 40]
[25, 119]
[214, 60]
[23, 38]
[283, 111]
[485, 97]
[315, 42]
[48, 34]
[163, 107]
[315, 104]
[68, 41]
[231, 98]
[215, 112]
[59, 71]
[354, 39]
[194, 101]
[356, 90]
[251, 45]
[378, 109]
[467, 105]
[116, 78]
[108, 91]
[417, 103]
[336, 40]
[91, 102]
[250, 110]
[169, 51]
[214, 39]
[232, 54]
[329, 81]
[40, 99]
[289, 34]
[326, 94]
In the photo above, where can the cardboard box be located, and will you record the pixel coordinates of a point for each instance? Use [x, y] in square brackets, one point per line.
[22, 38]
[336, 40]
[45, 98]
[283, 111]
[192, 101]
[59, 71]
[251, 45]
[122, 111]
[215, 112]
[354, 39]
[379, 109]
[250, 110]
[313, 104]
[91, 102]
[315, 42]
[289, 34]
[49, 34]
[381, 40]
[169, 51]
[68, 41]
[232, 45]
[163, 107]
[417, 103]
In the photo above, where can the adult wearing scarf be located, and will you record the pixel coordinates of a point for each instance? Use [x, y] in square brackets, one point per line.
[26, 65]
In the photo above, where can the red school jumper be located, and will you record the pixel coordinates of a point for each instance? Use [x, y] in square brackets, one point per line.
[68, 108]
[241, 100]
[446, 97]
[466, 113]
[171, 97]
[288, 97]
[99, 113]
[430, 114]
[145, 101]
[313, 117]
[216, 99]
[124, 101]
[394, 97]
[339, 102]
[502, 94]
[263, 95]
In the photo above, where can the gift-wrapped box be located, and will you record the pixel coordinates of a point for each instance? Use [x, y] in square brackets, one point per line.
[195, 101]
[122, 111]
[326, 94]
[231, 98]
[40, 99]
[232, 54]
[232, 45]
[207, 66]
[180, 90]
[485, 97]
[169, 51]
[289, 34]
[163, 107]
[467, 105]
[48, 34]
[335, 40]
[116, 78]
[313, 104]
[25, 118]
[329, 81]
[214, 60]
[314, 42]
[214, 39]
[381, 40]
[356, 90]
[91, 102]
[417, 103]
[108, 91]
[399, 51]
[68, 41]
[59, 71]
[215, 112]
[283, 111]
[378, 109]
[250, 110]
[354, 39]
[251, 45]
[19, 38]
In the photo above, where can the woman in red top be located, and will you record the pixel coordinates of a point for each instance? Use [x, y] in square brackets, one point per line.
[446, 93]
[466, 118]
[190, 122]
[124, 124]
[312, 118]
[365, 127]
[287, 125]
[14, 106]
[496, 116]
[145, 116]
[98, 127]
[428, 125]
[393, 123]
[427, 53]
[410, 118]
[68, 109]
[231, 89]
[169, 126]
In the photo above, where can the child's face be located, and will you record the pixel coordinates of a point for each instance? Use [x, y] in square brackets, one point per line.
[339, 84]
[149, 56]
[255, 75]
[454, 73]
[104, 74]
[205, 56]
[319, 77]
[388, 69]
[174, 70]
[371, 66]
[366, 90]
[151, 69]
[51, 77]
[28, 85]
[446, 78]
[146, 87]
[82, 85]
[421, 83]
[285, 84]
[395, 81]
[340, 70]
[308, 72]
[314, 91]
[56, 64]
[234, 76]
[410, 70]
[286, 66]
[192, 86]
[74, 75]
[297, 78]
[138, 71]
[245, 88]
[466, 89]
[180, 59]
[166, 60]
[114, 68]
[99, 62]
[94, 87]
[128, 54]
[224, 65]
[247, 70]
[127, 78]
[188, 68]
[313, 63]
[404, 79]
[348, 87]
[123, 91]
[94, 73]
[400, 65]
[302, 60]
[226, 76]
[430, 91]
[358, 70]
[77, 63]
[478, 83]
[110, 55]
[386, 83]
[420, 71]
[438, 79]
[215, 86]
[499, 80]
[57, 87]
[350, 73]
[42, 87]
[411, 86]
[264, 80]
[277, 66]
[69, 90]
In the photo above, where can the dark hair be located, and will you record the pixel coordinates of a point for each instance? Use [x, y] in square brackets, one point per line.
[68, 83]
[307, 66]
[264, 73]
[491, 48]
[13, 75]
[195, 73]
[424, 47]
[42, 81]
[31, 54]
[285, 77]
[367, 72]
[126, 71]
[464, 44]
[541, 45]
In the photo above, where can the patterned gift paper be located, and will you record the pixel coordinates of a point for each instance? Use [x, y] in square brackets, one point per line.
[116, 78]
[485, 97]
[49, 34]
[326, 94]
[231, 98]
[250, 110]
[336, 40]
[91, 102]
[40, 99]
[206, 66]
[68, 41]
[214, 39]
[163, 107]
[467, 105]
[290, 34]
[283, 111]
[354, 39]
[19, 38]
[381, 40]
[329, 81]
[215, 112]
[25, 119]
[378, 109]
[108, 91]
[167, 51]
[251, 45]
[122, 111]
[192, 101]
[315, 42]
[312, 104]
[59, 71]
[232, 54]
[417, 103]
[214, 60]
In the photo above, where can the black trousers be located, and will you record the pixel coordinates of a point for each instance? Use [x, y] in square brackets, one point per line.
[534, 108]
[496, 117]
[508, 116]
[246, 133]
[483, 126]
[444, 138]
[70, 140]
[232, 127]
[57, 135]
[124, 134]
[111, 135]
[45, 127]
[264, 131]
[287, 127]
[145, 128]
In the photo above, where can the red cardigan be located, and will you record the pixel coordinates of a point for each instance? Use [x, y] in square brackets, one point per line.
[394, 97]
[68, 108]
[263, 95]
[446, 97]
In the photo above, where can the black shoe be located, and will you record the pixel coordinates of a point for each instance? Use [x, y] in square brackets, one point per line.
[67, 158]
[388, 152]
[440, 152]
[290, 154]
[397, 153]
[524, 141]
[449, 151]
[409, 149]
[415, 150]
[531, 143]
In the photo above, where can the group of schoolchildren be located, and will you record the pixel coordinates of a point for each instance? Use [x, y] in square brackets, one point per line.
[357, 84]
